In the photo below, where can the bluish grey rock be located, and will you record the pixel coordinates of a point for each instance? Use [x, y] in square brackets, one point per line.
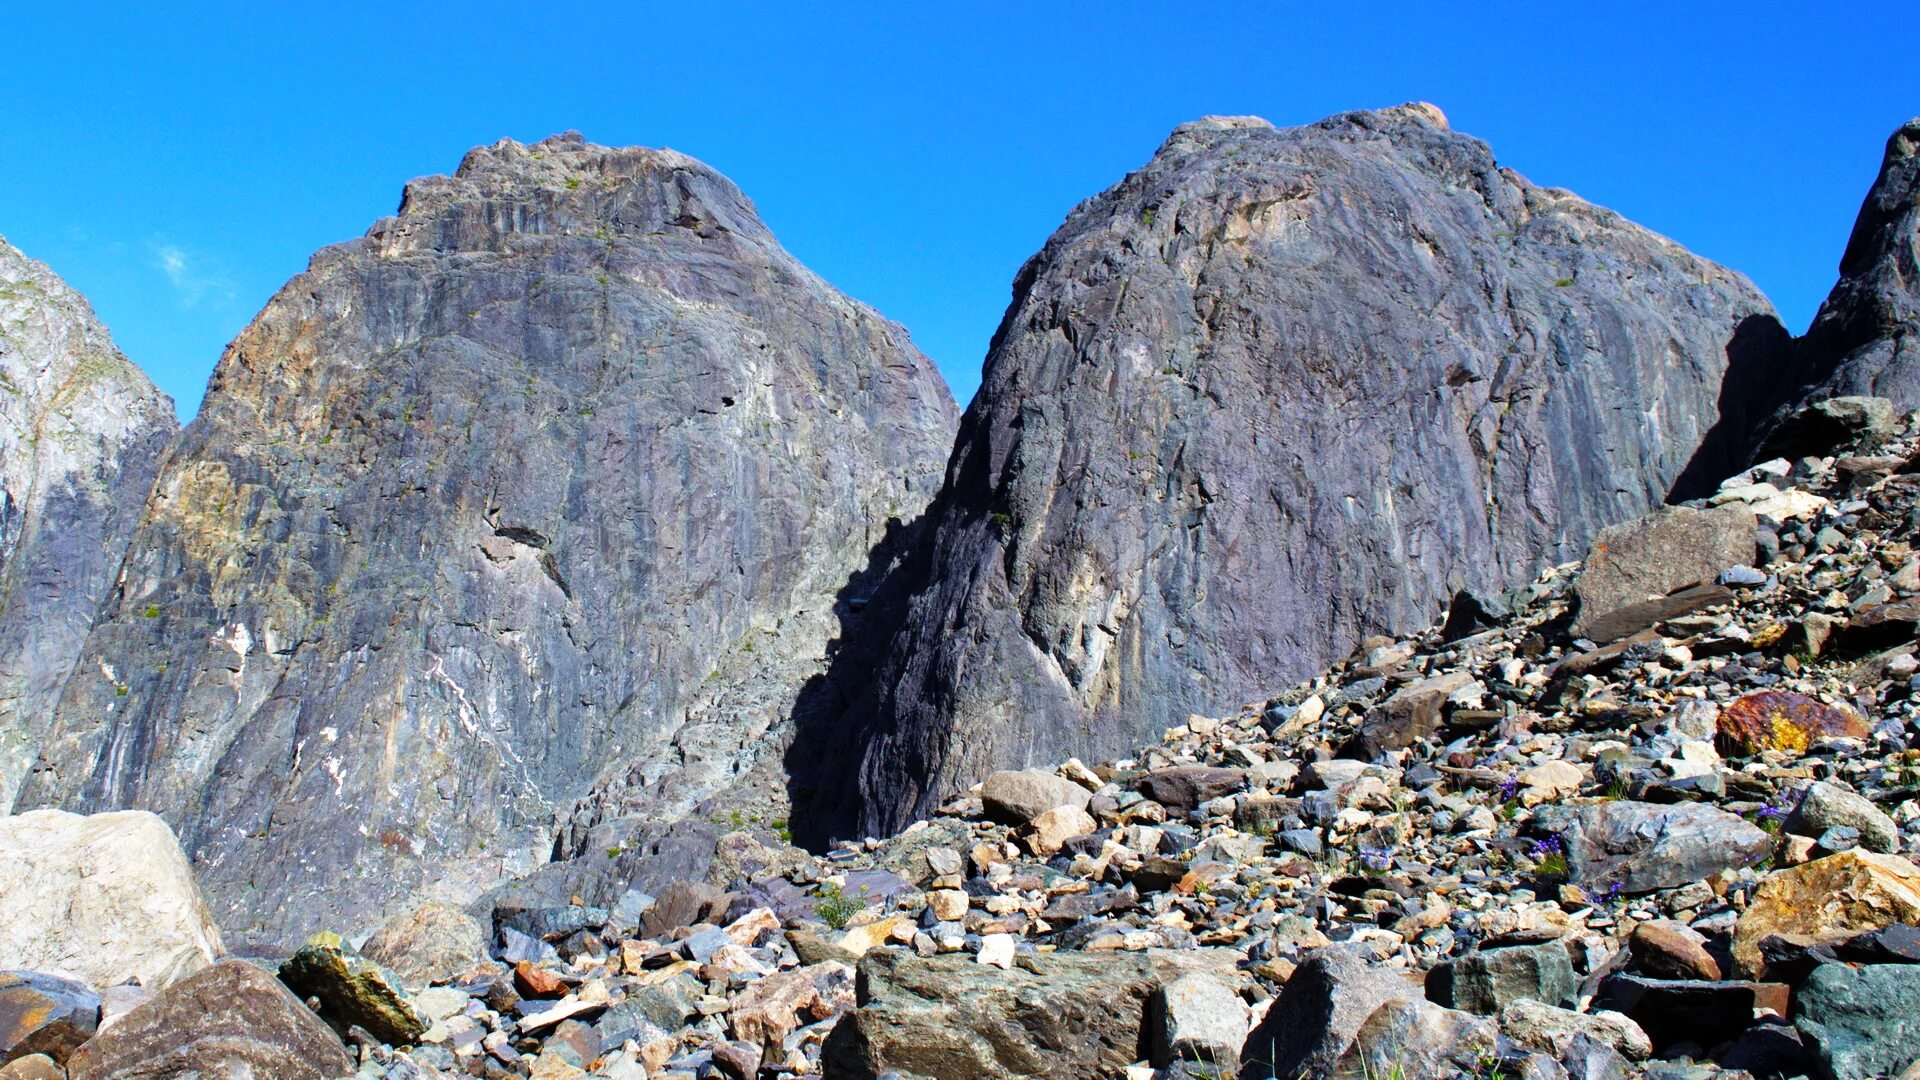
[82, 431]
[1278, 389]
[1864, 1020]
[532, 505]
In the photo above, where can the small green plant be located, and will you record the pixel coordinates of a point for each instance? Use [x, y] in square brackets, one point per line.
[602, 279]
[152, 611]
[572, 182]
[1147, 218]
[835, 907]
[121, 690]
[782, 830]
[1563, 283]
[1616, 789]
[1001, 520]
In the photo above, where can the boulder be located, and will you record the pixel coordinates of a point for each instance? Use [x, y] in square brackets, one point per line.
[1185, 787]
[1827, 899]
[769, 1009]
[432, 943]
[1646, 846]
[1417, 1040]
[1653, 555]
[1827, 427]
[1673, 1011]
[1783, 720]
[1309, 1029]
[1826, 805]
[1863, 1021]
[1063, 1016]
[101, 899]
[231, 1020]
[44, 1014]
[1667, 949]
[1053, 829]
[1551, 1030]
[353, 990]
[1016, 798]
[32, 1067]
[1411, 714]
[1488, 980]
[1198, 1018]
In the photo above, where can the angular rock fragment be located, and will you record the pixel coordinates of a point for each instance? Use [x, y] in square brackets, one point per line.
[44, 1014]
[1828, 899]
[228, 1020]
[1654, 555]
[353, 991]
[1783, 720]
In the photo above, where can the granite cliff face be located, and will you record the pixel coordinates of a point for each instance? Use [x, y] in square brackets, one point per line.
[82, 431]
[1278, 389]
[1866, 337]
[554, 475]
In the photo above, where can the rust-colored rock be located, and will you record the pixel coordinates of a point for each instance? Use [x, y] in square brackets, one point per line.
[1782, 720]
[1827, 900]
[535, 982]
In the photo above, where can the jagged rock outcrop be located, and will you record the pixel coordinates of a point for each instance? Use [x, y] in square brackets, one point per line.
[82, 431]
[555, 475]
[1866, 337]
[1276, 390]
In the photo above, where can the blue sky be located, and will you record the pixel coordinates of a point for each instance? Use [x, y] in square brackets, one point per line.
[177, 163]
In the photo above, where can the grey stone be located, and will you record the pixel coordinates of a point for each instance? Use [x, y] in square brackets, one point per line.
[549, 488]
[701, 945]
[1062, 1015]
[1552, 1030]
[1185, 787]
[1198, 1018]
[432, 943]
[82, 431]
[1646, 846]
[1018, 797]
[1239, 340]
[1320, 1011]
[1488, 980]
[1654, 555]
[1825, 805]
[1418, 1039]
[1865, 1021]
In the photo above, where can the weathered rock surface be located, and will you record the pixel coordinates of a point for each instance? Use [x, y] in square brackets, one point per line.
[1827, 900]
[44, 1014]
[1866, 337]
[1403, 369]
[1644, 846]
[1319, 1013]
[101, 899]
[1864, 1021]
[434, 941]
[352, 990]
[557, 474]
[82, 431]
[1062, 1016]
[1653, 555]
[231, 1020]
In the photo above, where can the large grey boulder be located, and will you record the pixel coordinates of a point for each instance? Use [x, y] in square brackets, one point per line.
[1061, 1016]
[1339, 1017]
[82, 431]
[1866, 338]
[534, 504]
[1278, 389]
[1486, 981]
[1646, 846]
[1653, 555]
[100, 899]
[1825, 805]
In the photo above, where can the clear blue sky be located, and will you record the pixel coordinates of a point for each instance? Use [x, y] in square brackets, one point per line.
[178, 163]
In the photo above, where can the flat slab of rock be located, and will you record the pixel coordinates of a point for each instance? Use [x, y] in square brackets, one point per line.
[1783, 720]
[231, 1020]
[1065, 1016]
[1651, 556]
[101, 899]
[1674, 1011]
[1865, 1021]
[1646, 846]
[1185, 787]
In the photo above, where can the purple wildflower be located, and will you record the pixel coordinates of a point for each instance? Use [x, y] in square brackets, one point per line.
[1376, 858]
[1552, 845]
[1509, 788]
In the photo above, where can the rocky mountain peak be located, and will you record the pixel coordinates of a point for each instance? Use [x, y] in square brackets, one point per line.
[564, 185]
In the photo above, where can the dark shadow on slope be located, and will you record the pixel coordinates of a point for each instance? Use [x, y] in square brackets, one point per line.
[1766, 370]
[832, 714]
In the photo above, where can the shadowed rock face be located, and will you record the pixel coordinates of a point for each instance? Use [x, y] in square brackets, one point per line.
[555, 474]
[1278, 389]
[1866, 337]
[82, 431]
